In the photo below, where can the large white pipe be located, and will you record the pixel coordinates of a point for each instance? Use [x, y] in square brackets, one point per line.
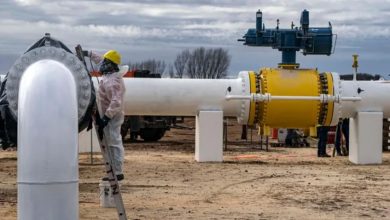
[180, 96]
[47, 143]
[185, 97]
[374, 97]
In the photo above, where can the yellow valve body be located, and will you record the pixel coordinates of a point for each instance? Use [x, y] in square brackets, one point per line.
[291, 113]
[329, 113]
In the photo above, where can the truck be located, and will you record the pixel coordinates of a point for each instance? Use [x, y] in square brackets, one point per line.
[148, 128]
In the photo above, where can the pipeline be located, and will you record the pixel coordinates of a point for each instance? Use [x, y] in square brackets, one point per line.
[273, 97]
[47, 157]
[48, 95]
[185, 97]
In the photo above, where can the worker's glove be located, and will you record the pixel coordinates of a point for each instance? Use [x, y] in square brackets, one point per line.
[103, 121]
[89, 124]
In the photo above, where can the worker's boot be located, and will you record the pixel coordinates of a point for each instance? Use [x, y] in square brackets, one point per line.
[133, 136]
[119, 177]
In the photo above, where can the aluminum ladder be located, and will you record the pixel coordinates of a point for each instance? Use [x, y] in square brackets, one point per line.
[110, 172]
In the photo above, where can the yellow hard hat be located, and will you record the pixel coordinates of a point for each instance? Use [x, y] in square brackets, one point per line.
[114, 56]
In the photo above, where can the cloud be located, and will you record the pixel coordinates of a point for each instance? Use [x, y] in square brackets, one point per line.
[176, 15]
[155, 28]
[27, 2]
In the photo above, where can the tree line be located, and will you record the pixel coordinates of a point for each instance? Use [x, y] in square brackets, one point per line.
[361, 76]
[200, 63]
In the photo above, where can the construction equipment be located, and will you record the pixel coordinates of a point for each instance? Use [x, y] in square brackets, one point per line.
[290, 138]
[296, 138]
[112, 178]
[149, 128]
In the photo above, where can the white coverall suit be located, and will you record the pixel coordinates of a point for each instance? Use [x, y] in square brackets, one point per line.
[110, 97]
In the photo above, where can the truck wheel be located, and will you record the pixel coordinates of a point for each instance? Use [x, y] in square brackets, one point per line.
[124, 130]
[152, 134]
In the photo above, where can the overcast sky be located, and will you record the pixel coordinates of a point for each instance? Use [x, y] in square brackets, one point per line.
[159, 29]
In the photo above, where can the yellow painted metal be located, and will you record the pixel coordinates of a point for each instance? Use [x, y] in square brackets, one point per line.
[355, 63]
[329, 114]
[313, 131]
[306, 131]
[252, 112]
[289, 66]
[266, 130]
[290, 113]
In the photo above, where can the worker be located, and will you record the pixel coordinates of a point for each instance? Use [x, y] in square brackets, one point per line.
[322, 134]
[135, 127]
[244, 132]
[345, 129]
[110, 98]
[342, 129]
[337, 143]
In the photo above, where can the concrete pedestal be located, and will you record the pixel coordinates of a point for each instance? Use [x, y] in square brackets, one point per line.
[365, 138]
[209, 136]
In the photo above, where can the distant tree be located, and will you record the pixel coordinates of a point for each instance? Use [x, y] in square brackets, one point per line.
[171, 71]
[154, 66]
[203, 63]
[361, 76]
[219, 63]
[181, 63]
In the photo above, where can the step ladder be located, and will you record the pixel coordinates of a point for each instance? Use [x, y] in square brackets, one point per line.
[105, 151]
[110, 171]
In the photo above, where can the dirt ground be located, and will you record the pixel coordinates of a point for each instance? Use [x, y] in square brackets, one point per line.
[162, 181]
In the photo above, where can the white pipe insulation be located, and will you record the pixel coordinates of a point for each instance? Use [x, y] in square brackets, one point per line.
[186, 97]
[375, 97]
[47, 143]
